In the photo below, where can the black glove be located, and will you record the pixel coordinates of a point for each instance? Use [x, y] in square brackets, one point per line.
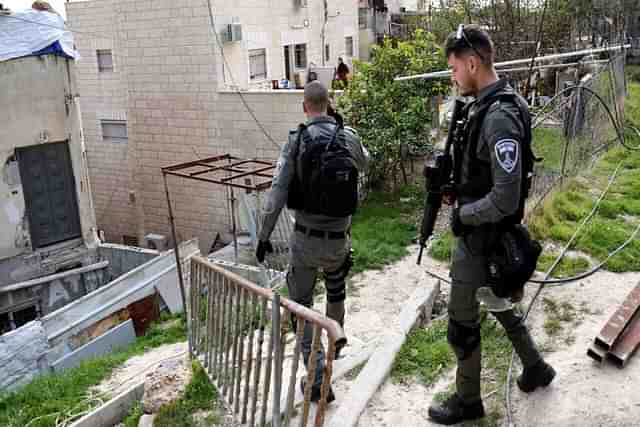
[457, 227]
[262, 249]
[448, 194]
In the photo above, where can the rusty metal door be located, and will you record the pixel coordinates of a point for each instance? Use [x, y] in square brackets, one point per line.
[49, 192]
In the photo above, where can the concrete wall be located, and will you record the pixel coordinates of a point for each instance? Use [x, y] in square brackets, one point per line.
[165, 56]
[37, 106]
[123, 259]
[22, 355]
[274, 24]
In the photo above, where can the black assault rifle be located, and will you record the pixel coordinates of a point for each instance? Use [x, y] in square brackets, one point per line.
[436, 176]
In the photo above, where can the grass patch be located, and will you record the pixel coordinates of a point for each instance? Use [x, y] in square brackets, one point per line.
[384, 226]
[556, 315]
[63, 395]
[568, 266]
[442, 247]
[133, 418]
[425, 355]
[199, 395]
[548, 143]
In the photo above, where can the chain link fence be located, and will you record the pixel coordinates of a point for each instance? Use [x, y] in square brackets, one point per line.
[574, 127]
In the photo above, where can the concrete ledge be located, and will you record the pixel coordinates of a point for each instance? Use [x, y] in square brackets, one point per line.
[417, 310]
[112, 412]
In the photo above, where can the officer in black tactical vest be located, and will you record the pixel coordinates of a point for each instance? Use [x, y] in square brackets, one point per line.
[491, 168]
[317, 177]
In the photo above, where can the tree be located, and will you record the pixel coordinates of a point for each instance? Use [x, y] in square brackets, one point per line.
[390, 114]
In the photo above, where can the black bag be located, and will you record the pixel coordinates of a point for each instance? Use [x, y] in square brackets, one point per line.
[512, 260]
[329, 184]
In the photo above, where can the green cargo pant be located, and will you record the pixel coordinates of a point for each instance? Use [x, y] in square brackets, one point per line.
[309, 255]
[468, 273]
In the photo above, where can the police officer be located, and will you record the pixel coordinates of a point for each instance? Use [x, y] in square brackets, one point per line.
[319, 242]
[488, 193]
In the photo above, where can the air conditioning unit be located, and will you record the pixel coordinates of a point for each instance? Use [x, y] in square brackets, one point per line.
[232, 32]
[157, 242]
[300, 3]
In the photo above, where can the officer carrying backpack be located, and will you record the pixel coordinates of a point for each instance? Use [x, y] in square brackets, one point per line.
[326, 177]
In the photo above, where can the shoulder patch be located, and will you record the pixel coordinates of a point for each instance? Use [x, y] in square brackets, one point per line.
[507, 154]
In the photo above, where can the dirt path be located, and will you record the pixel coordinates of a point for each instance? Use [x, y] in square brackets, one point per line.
[584, 393]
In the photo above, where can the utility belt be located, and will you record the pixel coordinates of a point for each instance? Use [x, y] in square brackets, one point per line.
[330, 235]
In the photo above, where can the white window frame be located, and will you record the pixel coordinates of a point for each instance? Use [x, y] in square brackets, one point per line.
[101, 66]
[111, 138]
[261, 77]
[363, 18]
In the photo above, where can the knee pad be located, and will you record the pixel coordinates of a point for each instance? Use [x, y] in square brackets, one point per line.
[337, 294]
[464, 340]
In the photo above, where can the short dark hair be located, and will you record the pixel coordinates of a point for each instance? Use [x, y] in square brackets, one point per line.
[474, 40]
[316, 96]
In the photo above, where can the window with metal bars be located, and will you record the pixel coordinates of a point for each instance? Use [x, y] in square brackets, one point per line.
[105, 60]
[114, 131]
[348, 41]
[300, 56]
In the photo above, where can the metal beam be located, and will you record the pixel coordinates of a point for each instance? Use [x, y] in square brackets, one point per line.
[447, 73]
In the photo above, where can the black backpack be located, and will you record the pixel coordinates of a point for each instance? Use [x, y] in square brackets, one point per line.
[327, 181]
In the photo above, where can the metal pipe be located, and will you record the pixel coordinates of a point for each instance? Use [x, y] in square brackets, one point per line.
[236, 332]
[447, 73]
[227, 335]
[176, 251]
[256, 379]
[249, 358]
[311, 375]
[267, 373]
[277, 381]
[45, 279]
[241, 334]
[294, 370]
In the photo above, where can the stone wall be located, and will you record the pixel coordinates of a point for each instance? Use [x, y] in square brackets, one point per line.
[22, 355]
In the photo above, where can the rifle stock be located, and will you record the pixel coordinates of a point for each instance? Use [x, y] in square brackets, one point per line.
[436, 176]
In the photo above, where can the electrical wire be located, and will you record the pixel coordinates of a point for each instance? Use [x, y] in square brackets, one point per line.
[236, 89]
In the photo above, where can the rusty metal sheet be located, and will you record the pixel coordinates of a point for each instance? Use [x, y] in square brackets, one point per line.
[143, 312]
[617, 323]
[627, 344]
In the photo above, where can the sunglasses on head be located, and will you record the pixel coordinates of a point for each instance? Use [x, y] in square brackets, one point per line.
[460, 35]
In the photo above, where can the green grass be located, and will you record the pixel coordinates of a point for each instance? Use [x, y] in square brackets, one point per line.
[568, 266]
[199, 395]
[133, 418]
[556, 315]
[425, 354]
[442, 247]
[548, 143]
[62, 395]
[384, 226]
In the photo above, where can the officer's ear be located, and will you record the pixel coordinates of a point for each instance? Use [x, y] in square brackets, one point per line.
[304, 107]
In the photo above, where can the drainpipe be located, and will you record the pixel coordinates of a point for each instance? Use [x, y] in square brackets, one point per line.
[324, 29]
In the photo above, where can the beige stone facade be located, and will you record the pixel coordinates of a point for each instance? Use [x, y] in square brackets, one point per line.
[165, 85]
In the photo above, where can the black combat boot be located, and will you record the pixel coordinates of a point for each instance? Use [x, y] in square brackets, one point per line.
[539, 375]
[316, 393]
[454, 410]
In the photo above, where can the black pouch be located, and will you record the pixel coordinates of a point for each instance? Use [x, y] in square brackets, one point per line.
[512, 260]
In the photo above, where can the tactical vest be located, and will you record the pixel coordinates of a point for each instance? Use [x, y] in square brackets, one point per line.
[472, 175]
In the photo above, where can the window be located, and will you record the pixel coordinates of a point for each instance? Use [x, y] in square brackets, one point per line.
[114, 131]
[258, 64]
[348, 41]
[301, 56]
[327, 52]
[105, 60]
[363, 18]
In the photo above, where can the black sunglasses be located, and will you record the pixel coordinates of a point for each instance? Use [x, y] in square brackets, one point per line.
[460, 35]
